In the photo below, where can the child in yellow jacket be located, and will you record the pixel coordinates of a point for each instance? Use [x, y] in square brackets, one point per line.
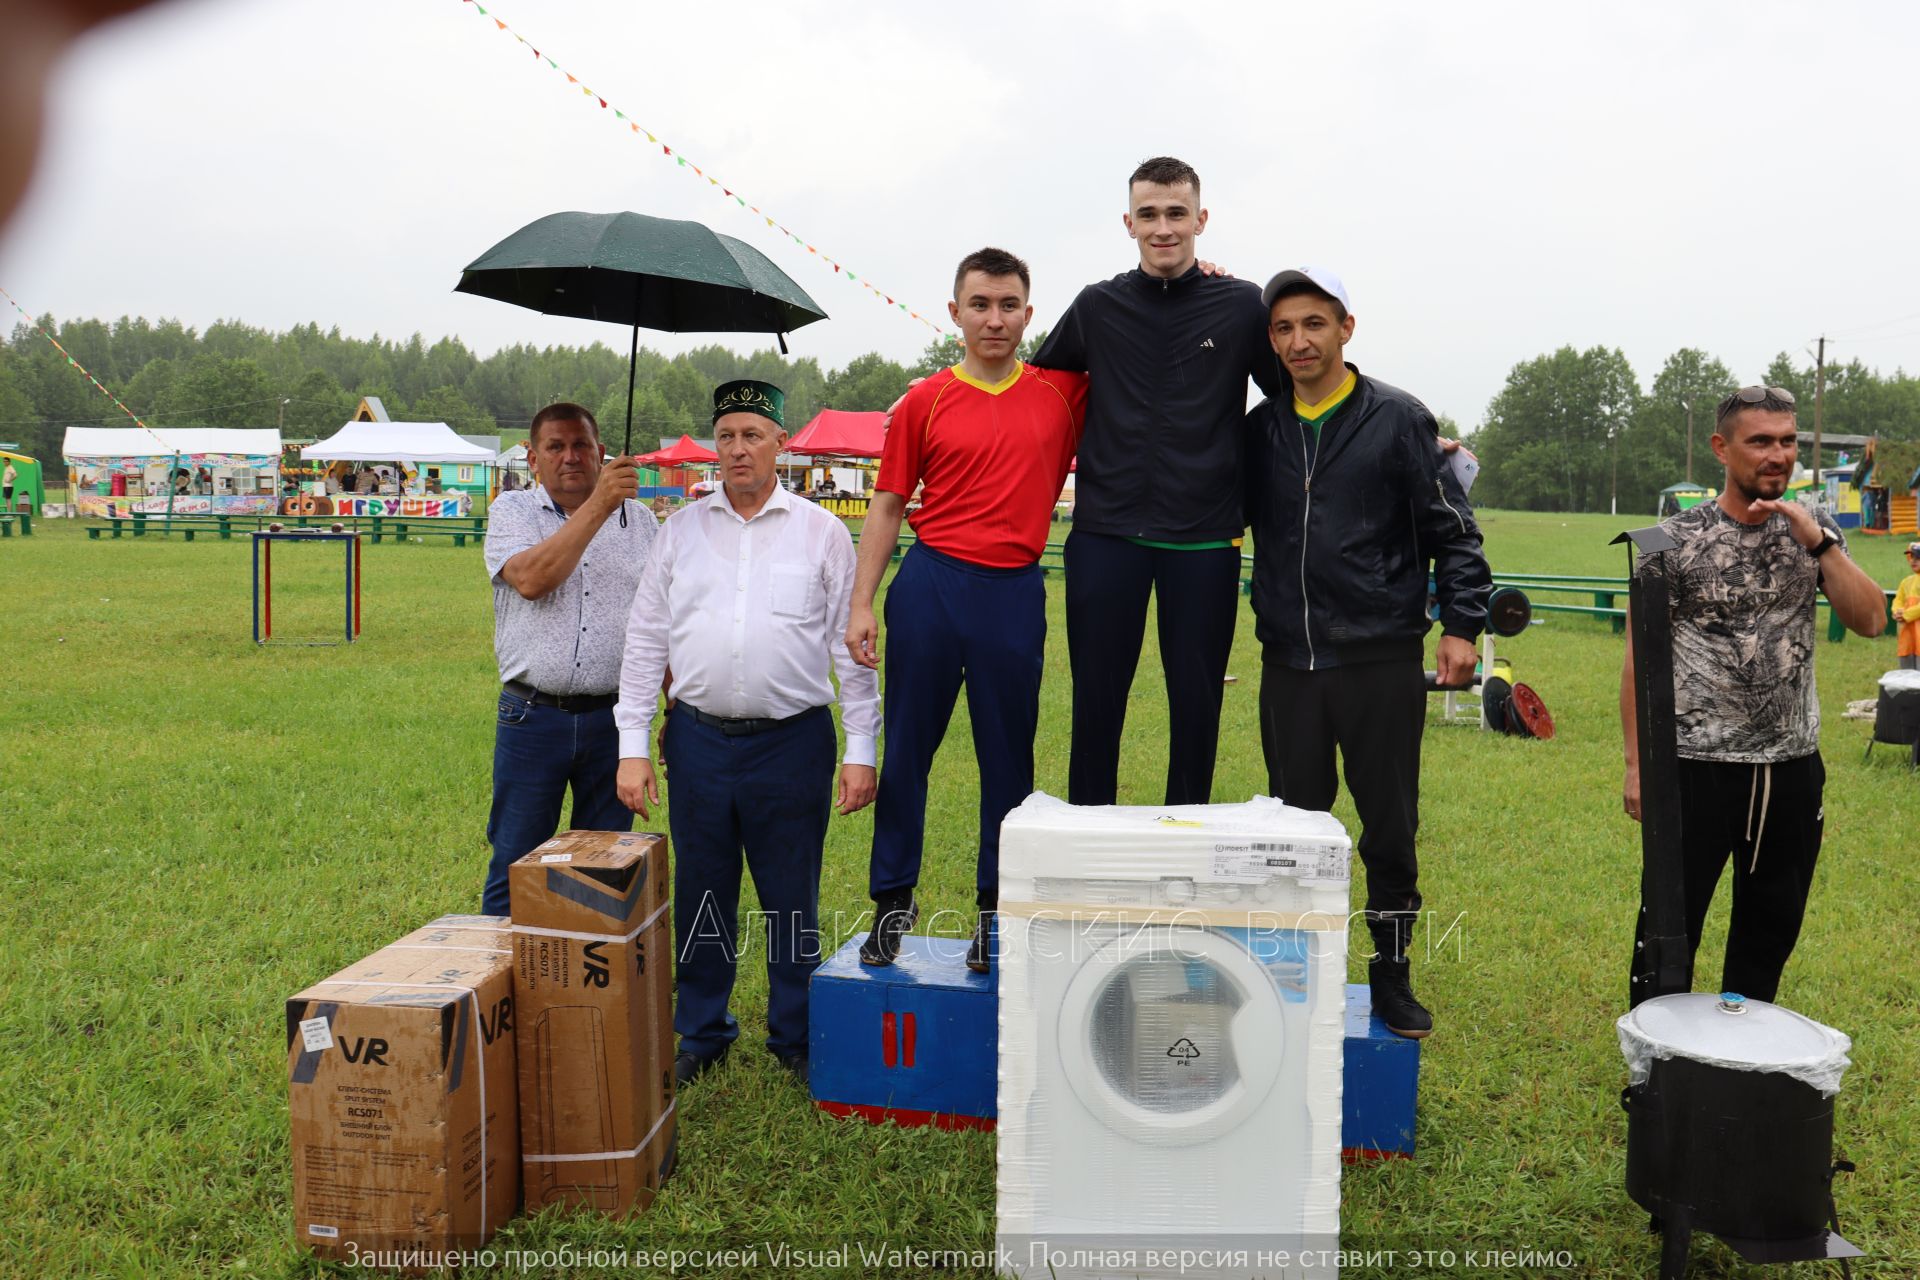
[1906, 611]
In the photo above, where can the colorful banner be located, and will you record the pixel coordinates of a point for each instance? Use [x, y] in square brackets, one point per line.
[680, 161]
[187, 461]
[370, 505]
[102, 507]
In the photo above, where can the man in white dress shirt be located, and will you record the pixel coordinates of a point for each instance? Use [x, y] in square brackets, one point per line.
[745, 601]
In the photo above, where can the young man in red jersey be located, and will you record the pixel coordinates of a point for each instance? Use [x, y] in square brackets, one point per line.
[988, 443]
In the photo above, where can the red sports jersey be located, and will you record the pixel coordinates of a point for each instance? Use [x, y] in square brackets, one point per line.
[990, 460]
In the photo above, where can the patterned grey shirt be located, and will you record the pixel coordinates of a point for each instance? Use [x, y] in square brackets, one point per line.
[571, 639]
[1742, 598]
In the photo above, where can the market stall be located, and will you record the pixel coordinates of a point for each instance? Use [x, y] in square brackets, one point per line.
[381, 469]
[855, 441]
[117, 472]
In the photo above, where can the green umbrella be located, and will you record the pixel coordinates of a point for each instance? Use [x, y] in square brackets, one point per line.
[651, 273]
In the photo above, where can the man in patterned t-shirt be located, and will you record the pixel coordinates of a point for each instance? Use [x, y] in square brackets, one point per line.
[1741, 583]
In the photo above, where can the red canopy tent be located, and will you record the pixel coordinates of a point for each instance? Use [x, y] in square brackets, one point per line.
[837, 433]
[681, 453]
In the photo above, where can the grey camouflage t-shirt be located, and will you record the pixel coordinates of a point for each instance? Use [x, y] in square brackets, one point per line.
[1742, 598]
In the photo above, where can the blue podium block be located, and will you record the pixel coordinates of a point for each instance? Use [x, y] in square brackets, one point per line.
[917, 1042]
[1381, 1087]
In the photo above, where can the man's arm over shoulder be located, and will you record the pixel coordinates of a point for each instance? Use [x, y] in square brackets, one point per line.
[1066, 344]
[1263, 365]
[1447, 529]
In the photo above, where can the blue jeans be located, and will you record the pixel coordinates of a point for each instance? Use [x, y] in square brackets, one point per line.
[767, 794]
[538, 752]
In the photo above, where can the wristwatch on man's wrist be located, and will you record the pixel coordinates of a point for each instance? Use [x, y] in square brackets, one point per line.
[1820, 548]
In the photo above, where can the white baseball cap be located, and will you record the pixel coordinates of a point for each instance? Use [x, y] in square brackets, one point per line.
[1315, 277]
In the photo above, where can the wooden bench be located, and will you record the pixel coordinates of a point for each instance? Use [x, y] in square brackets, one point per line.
[7, 523]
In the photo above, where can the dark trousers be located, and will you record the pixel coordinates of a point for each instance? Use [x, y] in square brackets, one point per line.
[948, 623]
[1725, 810]
[538, 753]
[1375, 713]
[1198, 596]
[767, 794]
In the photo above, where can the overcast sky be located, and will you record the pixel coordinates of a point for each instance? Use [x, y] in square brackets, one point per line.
[1492, 180]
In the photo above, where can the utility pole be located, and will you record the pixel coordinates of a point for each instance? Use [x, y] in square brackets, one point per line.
[1686, 403]
[1819, 400]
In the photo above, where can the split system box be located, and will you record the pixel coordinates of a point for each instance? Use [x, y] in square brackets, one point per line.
[593, 961]
[403, 1095]
[434, 1079]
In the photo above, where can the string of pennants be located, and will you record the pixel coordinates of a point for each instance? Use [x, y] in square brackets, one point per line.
[97, 384]
[668, 152]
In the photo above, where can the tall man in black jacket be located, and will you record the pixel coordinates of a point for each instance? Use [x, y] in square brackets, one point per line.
[1350, 504]
[1157, 503]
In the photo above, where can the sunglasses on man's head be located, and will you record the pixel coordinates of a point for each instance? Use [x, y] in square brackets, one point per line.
[1748, 396]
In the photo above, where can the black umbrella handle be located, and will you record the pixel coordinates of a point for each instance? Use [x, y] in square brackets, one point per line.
[633, 356]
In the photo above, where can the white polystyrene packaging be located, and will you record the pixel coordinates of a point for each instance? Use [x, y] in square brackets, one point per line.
[1172, 1006]
[1760, 1037]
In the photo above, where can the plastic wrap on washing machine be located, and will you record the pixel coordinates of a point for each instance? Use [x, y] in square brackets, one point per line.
[1170, 1041]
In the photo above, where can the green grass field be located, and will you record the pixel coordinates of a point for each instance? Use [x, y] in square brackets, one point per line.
[194, 828]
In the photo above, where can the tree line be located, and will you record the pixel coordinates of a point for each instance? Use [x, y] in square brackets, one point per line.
[1572, 429]
[1569, 431]
[307, 381]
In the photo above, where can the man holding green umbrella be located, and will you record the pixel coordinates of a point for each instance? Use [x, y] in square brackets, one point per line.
[564, 570]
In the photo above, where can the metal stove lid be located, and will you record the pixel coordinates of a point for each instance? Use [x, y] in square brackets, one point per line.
[1729, 1031]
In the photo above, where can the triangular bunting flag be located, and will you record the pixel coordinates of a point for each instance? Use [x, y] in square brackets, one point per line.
[603, 102]
[571, 79]
[497, 22]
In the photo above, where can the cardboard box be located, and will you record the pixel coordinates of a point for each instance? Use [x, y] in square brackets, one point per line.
[593, 982]
[405, 1115]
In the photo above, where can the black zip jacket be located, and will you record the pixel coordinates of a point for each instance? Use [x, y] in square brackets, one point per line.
[1343, 534]
[1168, 361]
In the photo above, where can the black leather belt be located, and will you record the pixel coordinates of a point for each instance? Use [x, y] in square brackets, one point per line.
[572, 702]
[736, 728]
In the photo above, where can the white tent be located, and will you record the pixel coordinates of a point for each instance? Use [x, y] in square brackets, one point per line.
[153, 442]
[397, 442]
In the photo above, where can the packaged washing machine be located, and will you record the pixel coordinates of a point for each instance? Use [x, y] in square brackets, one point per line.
[1172, 993]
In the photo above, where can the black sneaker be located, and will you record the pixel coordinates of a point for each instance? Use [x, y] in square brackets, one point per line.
[796, 1064]
[1391, 988]
[980, 950]
[689, 1066]
[894, 915]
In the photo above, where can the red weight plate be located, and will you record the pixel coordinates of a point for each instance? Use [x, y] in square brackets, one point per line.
[1532, 712]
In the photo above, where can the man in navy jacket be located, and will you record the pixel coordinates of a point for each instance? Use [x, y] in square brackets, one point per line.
[1157, 497]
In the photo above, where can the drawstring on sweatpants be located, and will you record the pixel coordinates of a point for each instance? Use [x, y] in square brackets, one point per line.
[1763, 790]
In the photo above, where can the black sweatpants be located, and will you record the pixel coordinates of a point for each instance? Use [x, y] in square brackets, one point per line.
[1375, 712]
[1198, 595]
[1769, 820]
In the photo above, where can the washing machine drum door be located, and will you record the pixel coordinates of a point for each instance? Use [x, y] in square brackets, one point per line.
[1171, 1035]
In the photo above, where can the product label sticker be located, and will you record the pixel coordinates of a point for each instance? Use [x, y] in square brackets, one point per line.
[1259, 860]
[556, 857]
[316, 1034]
[325, 1233]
